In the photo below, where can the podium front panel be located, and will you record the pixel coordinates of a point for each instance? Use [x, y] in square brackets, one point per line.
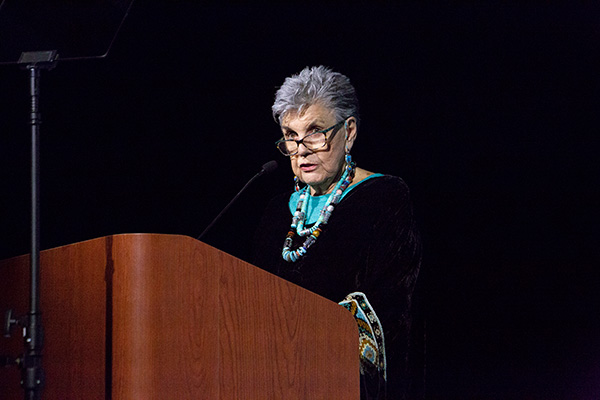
[143, 316]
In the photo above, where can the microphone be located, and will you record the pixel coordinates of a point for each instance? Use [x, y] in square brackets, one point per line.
[267, 168]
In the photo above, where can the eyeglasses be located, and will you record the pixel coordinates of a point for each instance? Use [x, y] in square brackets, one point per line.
[314, 141]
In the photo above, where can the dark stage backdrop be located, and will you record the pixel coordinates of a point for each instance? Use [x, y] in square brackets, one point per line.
[488, 112]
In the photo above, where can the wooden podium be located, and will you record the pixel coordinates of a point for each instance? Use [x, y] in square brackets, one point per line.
[141, 316]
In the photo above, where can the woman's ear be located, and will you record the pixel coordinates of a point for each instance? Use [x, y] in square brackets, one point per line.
[351, 131]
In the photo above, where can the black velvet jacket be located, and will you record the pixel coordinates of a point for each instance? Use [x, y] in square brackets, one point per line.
[371, 245]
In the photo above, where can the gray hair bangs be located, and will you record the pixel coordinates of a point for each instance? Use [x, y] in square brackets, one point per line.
[316, 85]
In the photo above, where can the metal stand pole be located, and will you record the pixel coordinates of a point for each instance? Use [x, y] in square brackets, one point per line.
[32, 373]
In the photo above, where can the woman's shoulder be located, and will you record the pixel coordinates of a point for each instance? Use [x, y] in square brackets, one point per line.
[280, 200]
[378, 194]
[383, 183]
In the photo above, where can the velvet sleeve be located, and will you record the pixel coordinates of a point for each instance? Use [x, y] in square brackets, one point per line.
[388, 278]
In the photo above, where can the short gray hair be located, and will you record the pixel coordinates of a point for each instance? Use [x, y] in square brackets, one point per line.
[316, 85]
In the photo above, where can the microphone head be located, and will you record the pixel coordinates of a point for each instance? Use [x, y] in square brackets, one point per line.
[269, 167]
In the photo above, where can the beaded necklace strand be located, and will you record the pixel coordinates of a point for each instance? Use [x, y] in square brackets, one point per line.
[299, 217]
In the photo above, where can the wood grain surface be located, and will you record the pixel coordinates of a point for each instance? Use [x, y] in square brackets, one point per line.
[73, 307]
[143, 316]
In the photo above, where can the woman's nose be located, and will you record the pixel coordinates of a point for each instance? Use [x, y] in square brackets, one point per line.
[302, 149]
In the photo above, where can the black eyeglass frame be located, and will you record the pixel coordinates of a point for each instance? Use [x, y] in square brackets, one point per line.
[335, 129]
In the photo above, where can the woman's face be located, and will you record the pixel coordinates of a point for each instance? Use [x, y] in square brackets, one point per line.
[320, 169]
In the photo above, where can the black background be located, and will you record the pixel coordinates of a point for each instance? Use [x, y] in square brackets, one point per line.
[487, 111]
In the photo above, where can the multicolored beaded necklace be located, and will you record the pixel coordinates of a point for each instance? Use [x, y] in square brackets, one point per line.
[299, 217]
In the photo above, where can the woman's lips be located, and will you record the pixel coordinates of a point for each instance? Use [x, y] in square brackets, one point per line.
[307, 167]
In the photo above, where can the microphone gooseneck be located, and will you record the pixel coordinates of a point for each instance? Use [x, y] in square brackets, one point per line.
[267, 168]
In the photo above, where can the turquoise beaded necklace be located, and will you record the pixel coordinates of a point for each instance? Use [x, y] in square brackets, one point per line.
[300, 214]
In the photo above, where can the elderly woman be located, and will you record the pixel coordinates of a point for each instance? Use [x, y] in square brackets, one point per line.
[344, 232]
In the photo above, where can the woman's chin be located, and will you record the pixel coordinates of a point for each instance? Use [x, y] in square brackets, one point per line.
[311, 180]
